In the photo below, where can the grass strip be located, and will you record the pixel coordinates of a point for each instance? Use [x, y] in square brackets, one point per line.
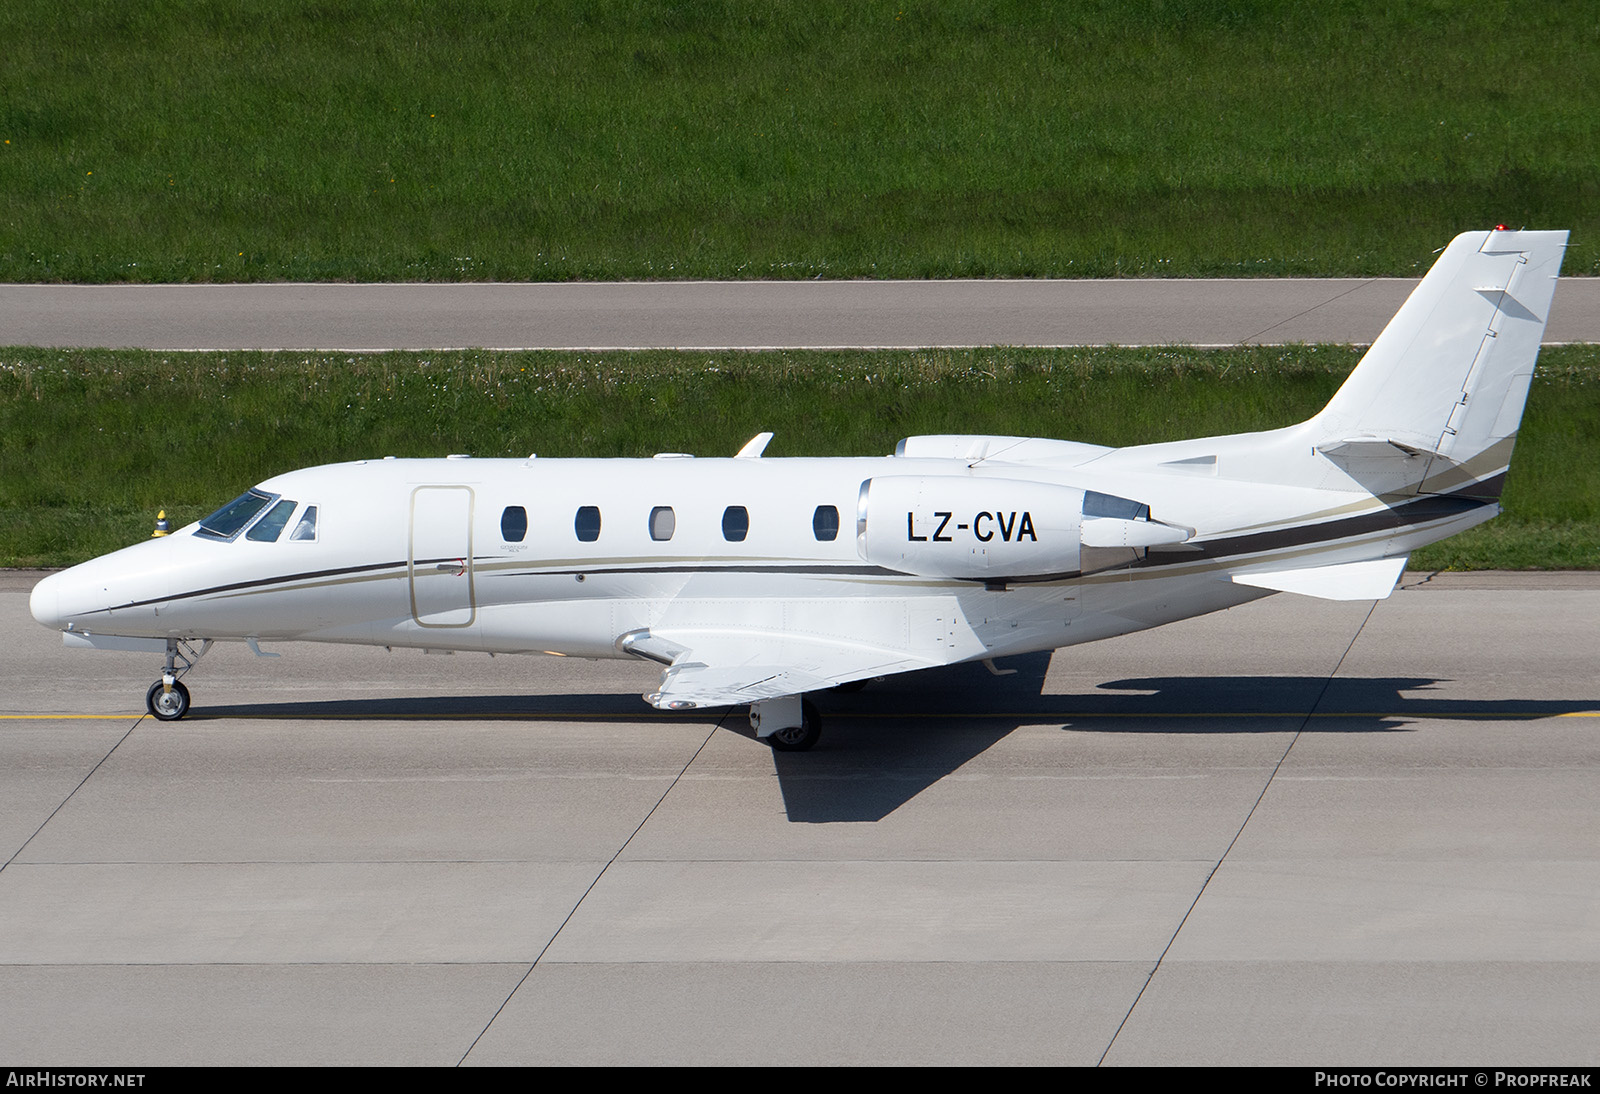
[94, 442]
[498, 139]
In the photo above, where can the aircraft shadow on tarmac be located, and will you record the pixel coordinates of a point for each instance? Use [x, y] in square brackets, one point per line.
[882, 747]
[885, 744]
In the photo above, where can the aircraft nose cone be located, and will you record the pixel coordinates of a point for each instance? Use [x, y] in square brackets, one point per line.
[45, 602]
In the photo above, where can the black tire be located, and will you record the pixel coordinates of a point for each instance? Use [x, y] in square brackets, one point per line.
[800, 737]
[168, 706]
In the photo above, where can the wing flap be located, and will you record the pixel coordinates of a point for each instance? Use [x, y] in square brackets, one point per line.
[731, 667]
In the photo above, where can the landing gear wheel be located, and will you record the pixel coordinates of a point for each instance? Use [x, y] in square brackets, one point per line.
[800, 737]
[166, 705]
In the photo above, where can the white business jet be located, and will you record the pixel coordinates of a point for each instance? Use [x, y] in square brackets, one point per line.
[756, 581]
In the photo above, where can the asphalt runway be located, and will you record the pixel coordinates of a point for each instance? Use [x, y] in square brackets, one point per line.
[1296, 832]
[723, 315]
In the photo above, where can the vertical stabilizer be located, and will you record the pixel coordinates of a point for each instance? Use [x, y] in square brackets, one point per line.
[1449, 375]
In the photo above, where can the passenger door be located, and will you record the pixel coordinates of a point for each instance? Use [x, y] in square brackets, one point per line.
[441, 556]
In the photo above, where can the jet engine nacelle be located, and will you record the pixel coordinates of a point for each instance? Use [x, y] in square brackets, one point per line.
[969, 527]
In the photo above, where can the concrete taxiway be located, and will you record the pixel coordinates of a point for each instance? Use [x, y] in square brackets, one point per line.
[1294, 832]
[723, 315]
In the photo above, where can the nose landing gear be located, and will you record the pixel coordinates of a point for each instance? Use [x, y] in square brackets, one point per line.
[168, 699]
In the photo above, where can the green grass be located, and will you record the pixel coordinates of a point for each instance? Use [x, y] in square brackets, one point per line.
[93, 443]
[501, 139]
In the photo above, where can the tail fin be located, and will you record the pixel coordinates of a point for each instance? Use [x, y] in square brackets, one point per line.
[1448, 377]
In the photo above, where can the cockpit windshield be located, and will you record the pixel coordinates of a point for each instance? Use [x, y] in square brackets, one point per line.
[226, 522]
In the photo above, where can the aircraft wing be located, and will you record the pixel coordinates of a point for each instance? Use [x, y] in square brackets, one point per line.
[707, 668]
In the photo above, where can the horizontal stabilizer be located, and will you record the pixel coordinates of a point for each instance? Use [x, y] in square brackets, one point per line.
[1371, 580]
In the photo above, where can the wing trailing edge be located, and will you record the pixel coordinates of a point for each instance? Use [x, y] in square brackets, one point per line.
[728, 667]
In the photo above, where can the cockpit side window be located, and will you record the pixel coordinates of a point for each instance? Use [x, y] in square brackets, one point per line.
[306, 530]
[227, 522]
[270, 527]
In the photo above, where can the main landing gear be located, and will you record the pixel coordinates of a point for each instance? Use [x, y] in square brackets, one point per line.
[168, 699]
[793, 724]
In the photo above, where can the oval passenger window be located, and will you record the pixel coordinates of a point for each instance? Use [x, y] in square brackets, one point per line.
[662, 523]
[825, 523]
[587, 523]
[513, 524]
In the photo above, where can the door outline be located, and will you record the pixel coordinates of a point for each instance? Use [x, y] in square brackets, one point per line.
[438, 567]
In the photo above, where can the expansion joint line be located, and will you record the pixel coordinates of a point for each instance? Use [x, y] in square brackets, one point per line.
[579, 902]
[73, 792]
[1307, 311]
[1294, 738]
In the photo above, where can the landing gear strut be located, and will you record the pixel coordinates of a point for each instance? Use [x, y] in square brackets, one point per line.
[790, 738]
[167, 698]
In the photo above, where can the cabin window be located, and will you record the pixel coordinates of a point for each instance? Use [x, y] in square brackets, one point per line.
[825, 523]
[735, 523]
[587, 523]
[306, 530]
[513, 524]
[662, 523]
[270, 527]
[227, 522]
